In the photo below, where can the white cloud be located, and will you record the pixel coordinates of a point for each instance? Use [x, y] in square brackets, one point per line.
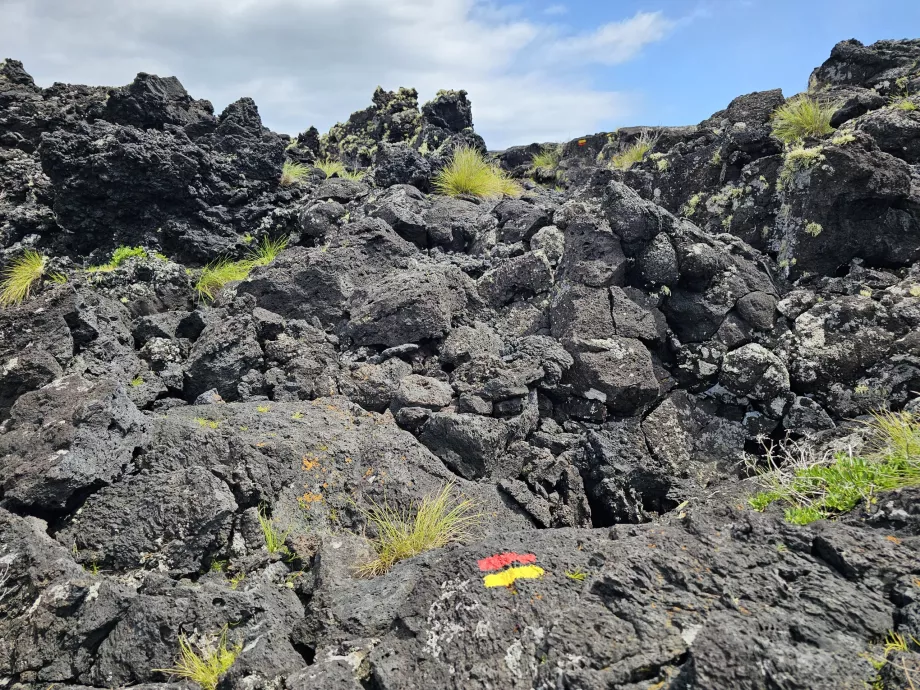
[556, 9]
[315, 61]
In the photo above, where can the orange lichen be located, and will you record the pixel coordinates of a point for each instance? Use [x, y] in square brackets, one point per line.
[309, 463]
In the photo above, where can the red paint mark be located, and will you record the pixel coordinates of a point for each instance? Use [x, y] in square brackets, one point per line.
[500, 560]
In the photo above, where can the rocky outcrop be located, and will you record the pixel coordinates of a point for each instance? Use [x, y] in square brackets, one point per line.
[593, 365]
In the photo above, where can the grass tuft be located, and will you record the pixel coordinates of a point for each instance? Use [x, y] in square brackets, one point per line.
[818, 487]
[548, 158]
[293, 173]
[206, 664]
[274, 535]
[802, 117]
[634, 153]
[119, 256]
[218, 273]
[19, 277]
[267, 251]
[469, 173]
[330, 166]
[435, 522]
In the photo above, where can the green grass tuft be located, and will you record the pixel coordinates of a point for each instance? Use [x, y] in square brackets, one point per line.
[206, 664]
[802, 117]
[548, 158]
[815, 488]
[293, 173]
[274, 535]
[437, 521]
[119, 256]
[19, 277]
[634, 153]
[267, 251]
[137, 381]
[218, 273]
[330, 167]
[469, 173]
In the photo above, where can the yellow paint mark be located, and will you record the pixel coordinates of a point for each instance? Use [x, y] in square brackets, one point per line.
[507, 577]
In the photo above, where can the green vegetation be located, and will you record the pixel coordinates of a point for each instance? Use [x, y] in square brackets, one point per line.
[205, 665]
[293, 173]
[797, 160]
[547, 160]
[209, 423]
[902, 100]
[469, 173]
[352, 175]
[814, 229]
[119, 256]
[274, 536]
[237, 580]
[435, 522]
[137, 381]
[263, 408]
[634, 153]
[690, 207]
[57, 278]
[814, 488]
[802, 117]
[578, 575]
[267, 251]
[330, 166]
[19, 277]
[218, 273]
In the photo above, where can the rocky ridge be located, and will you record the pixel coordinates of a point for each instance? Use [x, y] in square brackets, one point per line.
[589, 363]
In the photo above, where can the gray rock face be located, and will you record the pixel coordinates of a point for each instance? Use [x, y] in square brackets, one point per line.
[66, 438]
[422, 391]
[753, 371]
[616, 371]
[469, 444]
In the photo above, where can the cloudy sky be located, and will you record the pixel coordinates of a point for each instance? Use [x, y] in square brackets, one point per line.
[541, 70]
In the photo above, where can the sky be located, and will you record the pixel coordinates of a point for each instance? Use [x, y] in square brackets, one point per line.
[541, 70]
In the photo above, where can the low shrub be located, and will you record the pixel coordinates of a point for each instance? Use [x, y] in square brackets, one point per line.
[547, 159]
[119, 256]
[293, 173]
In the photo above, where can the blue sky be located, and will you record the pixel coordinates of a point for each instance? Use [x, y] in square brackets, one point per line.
[720, 49]
[543, 70]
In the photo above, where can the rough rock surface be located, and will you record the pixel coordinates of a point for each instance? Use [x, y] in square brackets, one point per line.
[590, 364]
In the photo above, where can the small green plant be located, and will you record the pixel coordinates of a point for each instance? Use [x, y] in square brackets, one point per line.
[356, 175]
[205, 663]
[248, 238]
[902, 99]
[663, 165]
[842, 138]
[547, 160]
[896, 642]
[435, 522]
[297, 415]
[237, 580]
[92, 569]
[218, 566]
[796, 160]
[578, 575]
[267, 251]
[274, 536]
[209, 423]
[263, 408]
[814, 229]
[293, 173]
[330, 166]
[137, 381]
[218, 273]
[119, 256]
[802, 117]
[915, 291]
[57, 278]
[816, 487]
[468, 172]
[19, 277]
[634, 153]
[690, 207]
